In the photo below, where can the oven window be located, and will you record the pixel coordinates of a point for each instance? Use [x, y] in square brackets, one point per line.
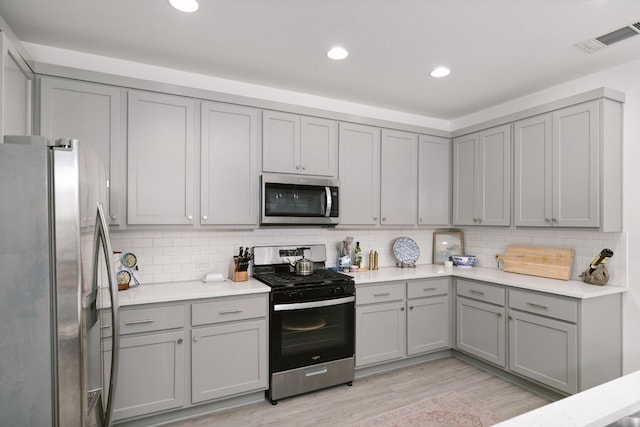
[313, 335]
[293, 200]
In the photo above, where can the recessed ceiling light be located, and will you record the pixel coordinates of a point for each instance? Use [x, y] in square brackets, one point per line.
[440, 72]
[337, 53]
[185, 5]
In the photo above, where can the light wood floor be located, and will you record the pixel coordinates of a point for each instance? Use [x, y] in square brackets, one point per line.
[373, 395]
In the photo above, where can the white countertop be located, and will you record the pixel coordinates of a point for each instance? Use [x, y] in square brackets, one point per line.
[596, 407]
[570, 288]
[177, 291]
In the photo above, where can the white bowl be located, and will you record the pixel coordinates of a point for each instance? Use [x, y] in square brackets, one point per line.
[464, 260]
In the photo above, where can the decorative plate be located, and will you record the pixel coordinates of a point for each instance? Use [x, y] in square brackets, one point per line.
[406, 250]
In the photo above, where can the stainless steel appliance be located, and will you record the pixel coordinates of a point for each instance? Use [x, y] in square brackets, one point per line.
[293, 199]
[311, 321]
[56, 264]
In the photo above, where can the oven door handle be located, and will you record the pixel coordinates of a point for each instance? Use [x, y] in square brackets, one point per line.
[313, 304]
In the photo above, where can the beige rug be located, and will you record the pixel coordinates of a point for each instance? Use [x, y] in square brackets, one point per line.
[449, 409]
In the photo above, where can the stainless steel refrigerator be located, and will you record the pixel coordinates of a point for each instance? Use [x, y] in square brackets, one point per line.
[56, 282]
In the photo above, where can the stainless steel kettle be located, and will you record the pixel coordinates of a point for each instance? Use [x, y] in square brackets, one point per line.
[303, 266]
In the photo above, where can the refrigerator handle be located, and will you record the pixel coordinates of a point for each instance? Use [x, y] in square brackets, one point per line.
[102, 236]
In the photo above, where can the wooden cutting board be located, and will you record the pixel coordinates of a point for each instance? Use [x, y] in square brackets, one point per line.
[554, 263]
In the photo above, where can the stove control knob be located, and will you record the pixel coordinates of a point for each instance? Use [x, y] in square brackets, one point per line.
[338, 290]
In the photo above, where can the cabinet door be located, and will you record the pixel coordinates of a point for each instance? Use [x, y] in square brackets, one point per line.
[576, 174]
[160, 159]
[434, 180]
[465, 151]
[399, 178]
[532, 171]
[380, 332]
[229, 164]
[280, 142]
[91, 113]
[493, 192]
[228, 359]
[16, 82]
[318, 147]
[359, 174]
[428, 324]
[481, 330]
[544, 350]
[150, 374]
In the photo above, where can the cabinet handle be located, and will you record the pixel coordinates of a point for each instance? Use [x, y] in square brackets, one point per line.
[375, 218]
[196, 338]
[138, 322]
[204, 217]
[536, 305]
[384, 294]
[499, 314]
[234, 310]
[547, 220]
[429, 289]
[190, 217]
[113, 217]
[105, 326]
[420, 219]
[473, 291]
[384, 218]
[179, 340]
[510, 318]
[298, 167]
[304, 168]
[401, 308]
[411, 308]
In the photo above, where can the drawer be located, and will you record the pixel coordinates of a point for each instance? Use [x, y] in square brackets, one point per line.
[427, 288]
[544, 304]
[228, 310]
[105, 323]
[151, 319]
[380, 293]
[481, 291]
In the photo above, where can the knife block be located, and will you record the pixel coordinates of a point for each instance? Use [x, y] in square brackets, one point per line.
[236, 272]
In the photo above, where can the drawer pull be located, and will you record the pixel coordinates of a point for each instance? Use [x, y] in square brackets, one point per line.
[473, 291]
[137, 322]
[536, 305]
[316, 372]
[105, 326]
[232, 311]
[429, 289]
[384, 294]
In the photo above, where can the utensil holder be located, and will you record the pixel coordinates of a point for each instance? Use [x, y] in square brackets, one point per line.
[238, 271]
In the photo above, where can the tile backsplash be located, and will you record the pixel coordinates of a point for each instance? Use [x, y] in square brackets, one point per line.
[174, 255]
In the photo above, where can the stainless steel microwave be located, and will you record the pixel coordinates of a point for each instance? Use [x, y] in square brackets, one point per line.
[295, 199]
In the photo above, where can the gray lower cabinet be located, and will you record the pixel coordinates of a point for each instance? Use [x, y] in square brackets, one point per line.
[228, 347]
[151, 373]
[545, 350]
[564, 343]
[480, 330]
[401, 319]
[428, 316]
[380, 323]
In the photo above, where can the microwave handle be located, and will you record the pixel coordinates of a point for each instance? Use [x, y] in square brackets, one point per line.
[329, 201]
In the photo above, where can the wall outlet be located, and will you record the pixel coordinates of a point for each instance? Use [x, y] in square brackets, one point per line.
[202, 262]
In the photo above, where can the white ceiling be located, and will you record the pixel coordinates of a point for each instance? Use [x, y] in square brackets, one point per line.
[498, 50]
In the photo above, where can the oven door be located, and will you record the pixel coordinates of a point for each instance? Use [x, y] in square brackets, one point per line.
[307, 333]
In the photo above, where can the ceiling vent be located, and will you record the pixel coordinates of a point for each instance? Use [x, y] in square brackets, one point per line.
[610, 38]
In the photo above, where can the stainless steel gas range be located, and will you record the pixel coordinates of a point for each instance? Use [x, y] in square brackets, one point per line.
[311, 320]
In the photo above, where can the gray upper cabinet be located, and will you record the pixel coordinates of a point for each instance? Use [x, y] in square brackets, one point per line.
[564, 174]
[161, 146]
[482, 177]
[399, 178]
[229, 164]
[359, 174]
[434, 180]
[299, 144]
[91, 113]
[557, 174]
[16, 83]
